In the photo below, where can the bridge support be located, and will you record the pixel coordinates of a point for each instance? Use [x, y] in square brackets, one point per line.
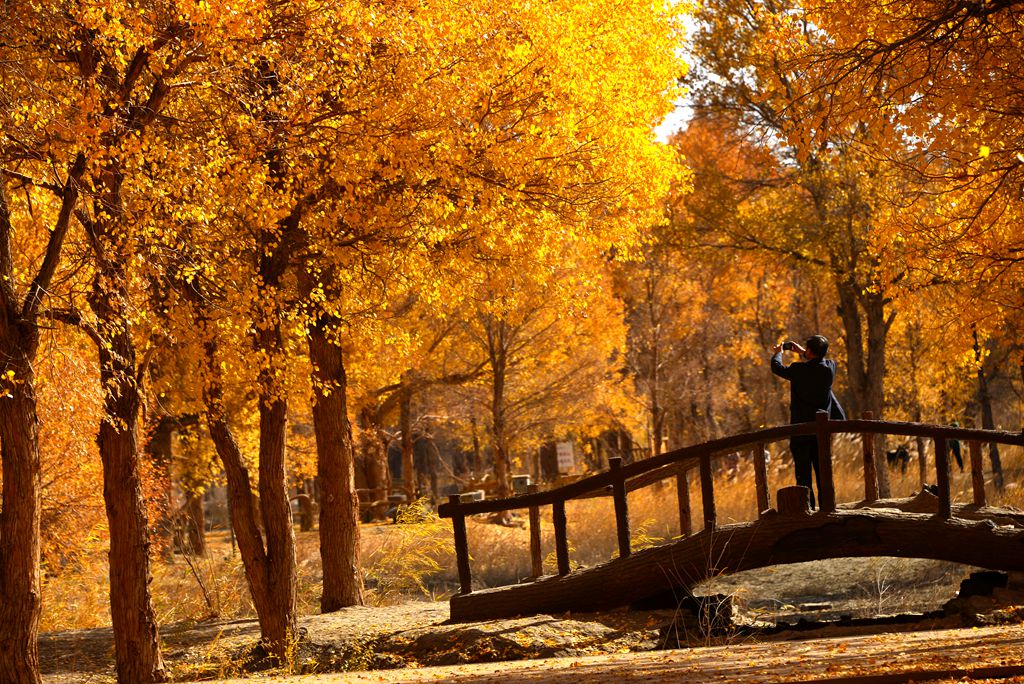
[773, 540]
[795, 500]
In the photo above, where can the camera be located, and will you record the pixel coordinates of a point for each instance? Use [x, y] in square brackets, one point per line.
[789, 345]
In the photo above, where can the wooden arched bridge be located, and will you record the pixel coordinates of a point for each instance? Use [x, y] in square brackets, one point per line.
[927, 526]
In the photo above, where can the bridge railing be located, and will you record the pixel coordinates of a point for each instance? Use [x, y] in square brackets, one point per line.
[621, 479]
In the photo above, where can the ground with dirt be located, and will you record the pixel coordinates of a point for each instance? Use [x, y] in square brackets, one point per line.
[978, 655]
[847, 594]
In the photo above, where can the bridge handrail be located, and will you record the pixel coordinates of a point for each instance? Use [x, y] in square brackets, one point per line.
[689, 456]
[617, 481]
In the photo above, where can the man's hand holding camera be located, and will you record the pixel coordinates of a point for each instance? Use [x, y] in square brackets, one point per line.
[789, 345]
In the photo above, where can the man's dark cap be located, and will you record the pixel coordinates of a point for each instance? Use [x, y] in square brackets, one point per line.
[817, 345]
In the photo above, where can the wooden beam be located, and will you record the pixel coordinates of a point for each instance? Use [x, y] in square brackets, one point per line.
[761, 479]
[461, 545]
[536, 559]
[683, 497]
[977, 472]
[827, 495]
[870, 476]
[621, 505]
[707, 493]
[942, 477]
[561, 537]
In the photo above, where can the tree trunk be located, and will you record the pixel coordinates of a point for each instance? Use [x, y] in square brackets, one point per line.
[498, 361]
[866, 361]
[375, 455]
[19, 439]
[160, 453]
[305, 501]
[275, 510]
[339, 509]
[136, 639]
[913, 340]
[987, 416]
[19, 527]
[195, 525]
[475, 465]
[405, 429]
[273, 591]
[654, 392]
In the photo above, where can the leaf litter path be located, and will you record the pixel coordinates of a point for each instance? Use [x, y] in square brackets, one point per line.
[947, 655]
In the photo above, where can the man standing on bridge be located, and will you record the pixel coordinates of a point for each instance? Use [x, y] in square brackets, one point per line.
[810, 391]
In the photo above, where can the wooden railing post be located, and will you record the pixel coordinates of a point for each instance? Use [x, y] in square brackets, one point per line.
[870, 476]
[977, 472]
[942, 477]
[461, 545]
[537, 560]
[621, 505]
[761, 479]
[827, 487]
[683, 496]
[707, 492]
[561, 536]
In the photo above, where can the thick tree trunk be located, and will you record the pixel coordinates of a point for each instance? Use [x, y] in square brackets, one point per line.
[273, 592]
[19, 439]
[19, 528]
[275, 509]
[242, 507]
[339, 509]
[136, 640]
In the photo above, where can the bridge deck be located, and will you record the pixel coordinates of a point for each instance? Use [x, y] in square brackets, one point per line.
[985, 537]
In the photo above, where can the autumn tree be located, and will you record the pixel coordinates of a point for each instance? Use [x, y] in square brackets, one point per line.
[553, 349]
[22, 293]
[834, 186]
[942, 81]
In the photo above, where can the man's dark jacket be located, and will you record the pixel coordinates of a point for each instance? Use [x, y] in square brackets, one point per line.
[810, 386]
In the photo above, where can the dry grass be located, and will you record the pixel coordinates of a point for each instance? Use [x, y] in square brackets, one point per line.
[415, 558]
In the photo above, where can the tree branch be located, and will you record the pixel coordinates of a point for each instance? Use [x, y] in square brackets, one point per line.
[69, 197]
[73, 317]
[7, 294]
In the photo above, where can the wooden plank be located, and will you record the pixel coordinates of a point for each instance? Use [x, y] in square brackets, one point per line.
[536, 559]
[683, 497]
[977, 473]
[942, 477]
[761, 479]
[621, 506]
[461, 545]
[707, 493]
[827, 495]
[870, 476]
[561, 537]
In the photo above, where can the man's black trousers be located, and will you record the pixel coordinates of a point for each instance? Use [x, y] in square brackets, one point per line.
[805, 456]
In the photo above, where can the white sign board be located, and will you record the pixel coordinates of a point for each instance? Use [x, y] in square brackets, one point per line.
[566, 460]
